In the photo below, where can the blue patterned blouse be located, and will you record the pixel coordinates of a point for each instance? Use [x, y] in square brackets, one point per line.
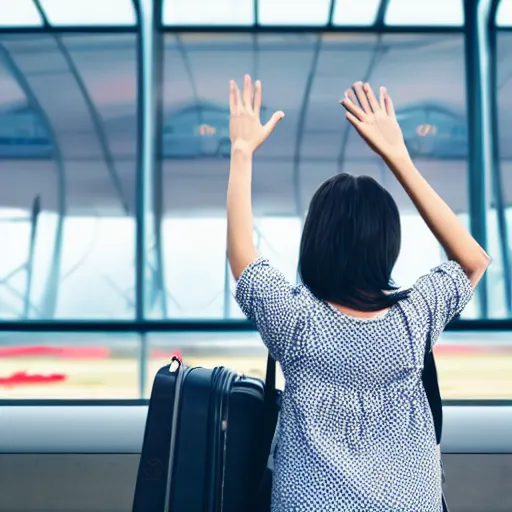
[356, 432]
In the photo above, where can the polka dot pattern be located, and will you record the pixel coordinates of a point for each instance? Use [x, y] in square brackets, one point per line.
[356, 432]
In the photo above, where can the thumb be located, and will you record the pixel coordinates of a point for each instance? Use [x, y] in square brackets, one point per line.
[272, 123]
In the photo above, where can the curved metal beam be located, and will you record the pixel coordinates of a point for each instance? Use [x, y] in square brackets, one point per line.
[98, 123]
[188, 68]
[49, 305]
[190, 74]
[381, 14]
[96, 118]
[34, 217]
[497, 182]
[158, 184]
[331, 13]
[378, 52]
[300, 128]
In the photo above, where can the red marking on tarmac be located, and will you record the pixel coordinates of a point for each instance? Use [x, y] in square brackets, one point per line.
[60, 352]
[76, 352]
[24, 378]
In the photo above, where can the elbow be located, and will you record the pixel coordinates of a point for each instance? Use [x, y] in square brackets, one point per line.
[478, 267]
[483, 262]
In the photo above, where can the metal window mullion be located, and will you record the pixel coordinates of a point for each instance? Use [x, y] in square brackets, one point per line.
[497, 182]
[479, 127]
[144, 171]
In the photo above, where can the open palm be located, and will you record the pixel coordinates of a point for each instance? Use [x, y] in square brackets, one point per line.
[245, 128]
[374, 120]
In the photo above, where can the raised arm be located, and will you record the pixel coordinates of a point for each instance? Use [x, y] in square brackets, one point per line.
[376, 122]
[264, 295]
[247, 134]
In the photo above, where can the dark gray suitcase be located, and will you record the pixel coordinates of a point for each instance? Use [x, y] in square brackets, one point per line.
[206, 442]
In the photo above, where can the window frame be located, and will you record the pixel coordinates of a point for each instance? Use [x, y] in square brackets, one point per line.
[150, 80]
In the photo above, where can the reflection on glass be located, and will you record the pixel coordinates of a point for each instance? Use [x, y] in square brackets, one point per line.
[419, 13]
[198, 130]
[56, 365]
[67, 187]
[19, 13]
[432, 131]
[21, 132]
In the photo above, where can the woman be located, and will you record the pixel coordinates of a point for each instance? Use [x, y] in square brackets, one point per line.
[356, 432]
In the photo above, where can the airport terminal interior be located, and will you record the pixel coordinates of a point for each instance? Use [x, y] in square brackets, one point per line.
[114, 161]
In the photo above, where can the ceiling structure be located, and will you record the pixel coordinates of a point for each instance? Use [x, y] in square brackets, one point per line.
[74, 68]
[71, 108]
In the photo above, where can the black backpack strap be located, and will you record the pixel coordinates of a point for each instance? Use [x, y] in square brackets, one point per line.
[270, 401]
[431, 385]
[271, 411]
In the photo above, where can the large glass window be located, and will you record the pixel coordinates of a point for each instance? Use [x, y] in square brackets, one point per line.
[68, 149]
[69, 138]
[500, 211]
[312, 143]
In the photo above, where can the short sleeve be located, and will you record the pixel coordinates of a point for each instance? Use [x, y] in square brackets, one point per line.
[440, 296]
[272, 303]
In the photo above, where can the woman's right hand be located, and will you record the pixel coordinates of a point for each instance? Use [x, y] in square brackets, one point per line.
[375, 120]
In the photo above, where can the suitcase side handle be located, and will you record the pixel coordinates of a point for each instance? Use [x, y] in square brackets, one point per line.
[175, 364]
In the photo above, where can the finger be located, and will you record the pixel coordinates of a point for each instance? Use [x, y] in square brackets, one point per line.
[382, 98]
[349, 93]
[361, 97]
[239, 101]
[232, 98]
[370, 96]
[257, 98]
[247, 93]
[272, 123]
[390, 108]
[351, 107]
[353, 120]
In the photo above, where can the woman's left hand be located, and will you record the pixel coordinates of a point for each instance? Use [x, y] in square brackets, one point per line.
[245, 129]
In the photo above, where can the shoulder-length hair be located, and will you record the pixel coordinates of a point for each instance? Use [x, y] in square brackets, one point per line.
[350, 243]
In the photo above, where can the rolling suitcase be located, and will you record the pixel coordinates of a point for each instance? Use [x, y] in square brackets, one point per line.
[207, 439]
